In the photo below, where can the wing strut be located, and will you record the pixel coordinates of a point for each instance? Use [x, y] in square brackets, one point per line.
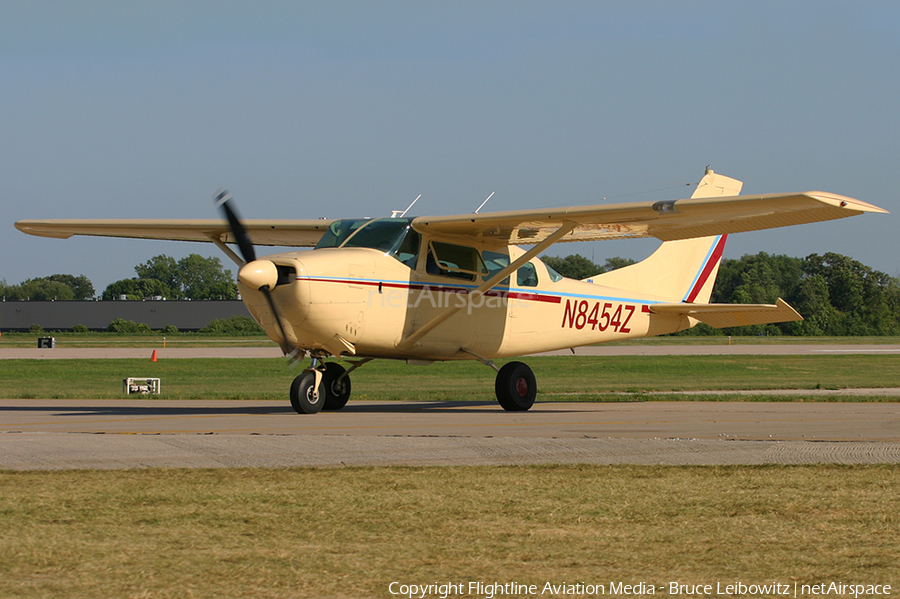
[227, 250]
[429, 326]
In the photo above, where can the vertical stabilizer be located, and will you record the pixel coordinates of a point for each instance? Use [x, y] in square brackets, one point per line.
[684, 270]
[713, 186]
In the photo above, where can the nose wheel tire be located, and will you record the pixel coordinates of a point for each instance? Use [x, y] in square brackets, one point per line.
[516, 387]
[333, 393]
[304, 399]
[337, 392]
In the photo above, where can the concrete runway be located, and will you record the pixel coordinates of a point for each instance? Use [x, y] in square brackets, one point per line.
[140, 433]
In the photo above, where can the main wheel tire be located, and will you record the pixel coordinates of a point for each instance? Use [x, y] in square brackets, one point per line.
[516, 387]
[336, 392]
[303, 398]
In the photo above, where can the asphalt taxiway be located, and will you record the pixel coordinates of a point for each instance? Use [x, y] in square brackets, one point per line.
[63, 434]
[810, 349]
[141, 433]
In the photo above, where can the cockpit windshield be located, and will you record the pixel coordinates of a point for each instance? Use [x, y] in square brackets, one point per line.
[392, 236]
[339, 231]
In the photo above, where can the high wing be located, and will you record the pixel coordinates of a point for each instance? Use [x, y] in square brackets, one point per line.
[288, 233]
[666, 220]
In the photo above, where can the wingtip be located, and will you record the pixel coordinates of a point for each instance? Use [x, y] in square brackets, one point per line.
[40, 229]
[854, 204]
[847, 203]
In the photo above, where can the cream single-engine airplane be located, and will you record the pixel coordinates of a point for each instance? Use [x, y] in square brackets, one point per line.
[461, 287]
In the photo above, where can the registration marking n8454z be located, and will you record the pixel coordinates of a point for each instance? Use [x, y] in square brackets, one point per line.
[597, 316]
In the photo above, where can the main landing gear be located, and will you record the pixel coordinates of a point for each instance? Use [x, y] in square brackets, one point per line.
[326, 386]
[515, 387]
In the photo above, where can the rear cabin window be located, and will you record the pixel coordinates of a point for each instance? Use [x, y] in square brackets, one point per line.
[495, 262]
[554, 276]
[526, 276]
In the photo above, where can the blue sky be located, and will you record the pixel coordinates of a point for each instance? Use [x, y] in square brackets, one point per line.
[343, 109]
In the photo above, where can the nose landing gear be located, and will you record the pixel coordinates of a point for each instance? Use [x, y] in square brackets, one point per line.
[307, 392]
[322, 386]
[337, 386]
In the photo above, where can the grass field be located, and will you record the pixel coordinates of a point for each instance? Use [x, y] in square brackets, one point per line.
[351, 532]
[560, 378]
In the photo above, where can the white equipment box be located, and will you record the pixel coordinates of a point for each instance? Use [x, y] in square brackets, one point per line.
[140, 385]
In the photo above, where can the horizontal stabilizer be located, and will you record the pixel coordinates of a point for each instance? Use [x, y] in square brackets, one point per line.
[732, 315]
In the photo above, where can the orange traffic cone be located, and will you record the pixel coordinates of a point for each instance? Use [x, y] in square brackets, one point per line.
[153, 357]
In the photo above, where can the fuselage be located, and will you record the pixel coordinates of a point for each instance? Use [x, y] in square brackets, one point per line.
[366, 301]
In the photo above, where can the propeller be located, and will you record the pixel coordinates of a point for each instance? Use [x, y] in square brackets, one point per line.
[222, 200]
[261, 275]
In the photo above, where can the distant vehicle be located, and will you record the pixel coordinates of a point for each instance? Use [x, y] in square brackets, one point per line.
[461, 288]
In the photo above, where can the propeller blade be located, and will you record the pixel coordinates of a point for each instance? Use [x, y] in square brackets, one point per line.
[291, 349]
[245, 245]
[223, 200]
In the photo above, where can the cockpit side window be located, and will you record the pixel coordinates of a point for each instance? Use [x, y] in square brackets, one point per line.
[407, 251]
[457, 261]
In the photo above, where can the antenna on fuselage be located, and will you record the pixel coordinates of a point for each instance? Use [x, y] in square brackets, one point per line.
[484, 202]
[399, 214]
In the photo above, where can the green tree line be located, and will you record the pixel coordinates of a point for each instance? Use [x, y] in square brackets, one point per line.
[193, 277]
[54, 287]
[836, 295]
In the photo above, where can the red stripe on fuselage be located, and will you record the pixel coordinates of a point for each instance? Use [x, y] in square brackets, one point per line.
[533, 297]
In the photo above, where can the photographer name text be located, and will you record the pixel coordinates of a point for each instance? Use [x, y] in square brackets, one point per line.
[491, 590]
